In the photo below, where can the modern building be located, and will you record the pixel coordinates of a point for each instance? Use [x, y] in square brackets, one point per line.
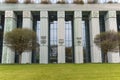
[65, 29]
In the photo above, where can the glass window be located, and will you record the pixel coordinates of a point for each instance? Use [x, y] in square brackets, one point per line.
[86, 37]
[53, 50]
[2, 17]
[69, 46]
[36, 28]
[19, 19]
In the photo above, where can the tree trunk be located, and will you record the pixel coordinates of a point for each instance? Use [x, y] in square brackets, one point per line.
[106, 58]
[20, 58]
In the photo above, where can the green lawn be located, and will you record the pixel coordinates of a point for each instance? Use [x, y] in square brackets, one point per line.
[60, 72]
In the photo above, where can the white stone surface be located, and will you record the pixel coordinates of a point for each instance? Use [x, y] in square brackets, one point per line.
[78, 37]
[27, 23]
[110, 21]
[61, 37]
[10, 23]
[111, 24]
[43, 55]
[26, 57]
[113, 57]
[44, 37]
[94, 30]
[56, 7]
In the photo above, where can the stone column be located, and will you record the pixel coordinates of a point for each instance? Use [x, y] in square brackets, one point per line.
[10, 23]
[94, 30]
[27, 23]
[78, 37]
[110, 21]
[61, 37]
[44, 37]
[111, 24]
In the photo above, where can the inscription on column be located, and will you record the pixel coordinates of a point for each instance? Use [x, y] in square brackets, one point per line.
[112, 14]
[61, 41]
[43, 39]
[78, 40]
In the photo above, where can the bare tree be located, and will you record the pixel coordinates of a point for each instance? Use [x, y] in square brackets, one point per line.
[21, 40]
[107, 41]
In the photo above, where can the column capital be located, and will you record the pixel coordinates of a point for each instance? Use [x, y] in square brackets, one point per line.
[61, 14]
[44, 14]
[111, 14]
[78, 14]
[94, 14]
[27, 14]
[9, 14]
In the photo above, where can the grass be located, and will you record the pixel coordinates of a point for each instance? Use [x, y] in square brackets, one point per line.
[60, 72]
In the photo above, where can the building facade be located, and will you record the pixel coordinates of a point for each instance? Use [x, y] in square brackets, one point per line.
[65, 30]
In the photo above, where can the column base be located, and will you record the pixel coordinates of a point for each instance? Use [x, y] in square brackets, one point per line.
[61, 54]
[113, 57]
[26, 58]
[43, 55]
[78, 54]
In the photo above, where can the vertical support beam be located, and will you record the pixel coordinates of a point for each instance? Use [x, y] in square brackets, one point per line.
[27, 23]
[61, 37]
[111, 24]
[78, 37]
[110, 21]
[10, 23]
[94, 30]
[44, 37]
